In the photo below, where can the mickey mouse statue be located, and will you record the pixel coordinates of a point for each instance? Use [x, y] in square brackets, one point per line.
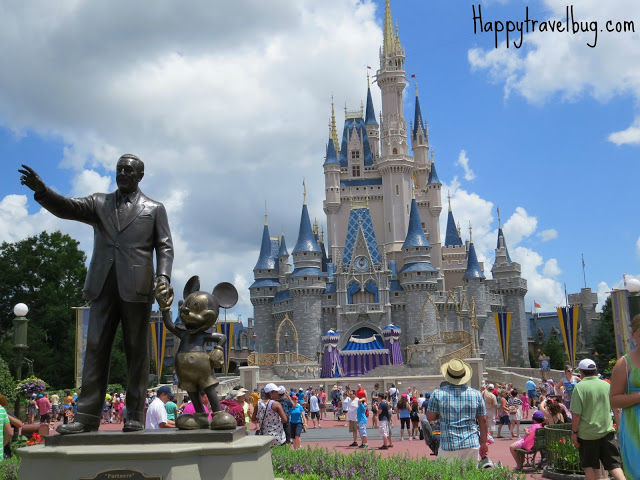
[194, 366]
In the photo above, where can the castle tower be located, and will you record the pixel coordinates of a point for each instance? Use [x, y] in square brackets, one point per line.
[508, 282]
[307, 283]
[454, 254]
[284, 267]
[417, 277]
[373, 130]
[263, 289]
[331, 204]
[588, 301]
[395, 164]
[420, 146]
[434, 198]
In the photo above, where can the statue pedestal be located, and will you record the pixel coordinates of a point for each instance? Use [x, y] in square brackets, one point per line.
[165, 454]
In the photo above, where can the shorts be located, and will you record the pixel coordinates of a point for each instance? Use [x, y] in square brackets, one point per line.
[504, 420]
[532, 393]
[323, 406]
[353, 426]
[462, 454]
[362, 428]
[295, 429]
[405, 423]
[605, 450]
[45, 418]
[55, 409]
[383, 428]
[315, 415]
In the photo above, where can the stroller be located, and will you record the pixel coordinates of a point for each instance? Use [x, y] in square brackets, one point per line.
[431, 438]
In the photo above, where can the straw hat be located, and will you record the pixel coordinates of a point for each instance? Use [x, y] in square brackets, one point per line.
[456, 372]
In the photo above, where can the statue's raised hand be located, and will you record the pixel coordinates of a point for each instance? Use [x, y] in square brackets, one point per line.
[31, 179]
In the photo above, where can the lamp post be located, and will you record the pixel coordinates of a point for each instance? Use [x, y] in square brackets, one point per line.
[20, 323]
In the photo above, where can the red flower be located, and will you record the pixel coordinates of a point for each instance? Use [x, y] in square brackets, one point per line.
[562, 440]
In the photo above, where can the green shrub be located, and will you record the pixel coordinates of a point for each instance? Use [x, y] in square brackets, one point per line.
[9, 468]
[321, 464]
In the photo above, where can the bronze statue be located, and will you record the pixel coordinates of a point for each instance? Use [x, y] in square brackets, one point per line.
[194, 366]
[128, 228]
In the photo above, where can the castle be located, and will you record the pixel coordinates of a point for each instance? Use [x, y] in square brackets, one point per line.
[383, 263]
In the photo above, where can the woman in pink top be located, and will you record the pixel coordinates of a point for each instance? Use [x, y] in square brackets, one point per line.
[189, 408]
[526, 443]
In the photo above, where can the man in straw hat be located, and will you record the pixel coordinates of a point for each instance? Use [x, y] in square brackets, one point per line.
[458, 407]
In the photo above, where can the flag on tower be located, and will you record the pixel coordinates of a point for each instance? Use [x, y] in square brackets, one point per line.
[413, 75]
[536, 304]
[368, 67]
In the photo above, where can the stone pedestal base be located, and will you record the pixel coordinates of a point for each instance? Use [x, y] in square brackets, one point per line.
[154, 455]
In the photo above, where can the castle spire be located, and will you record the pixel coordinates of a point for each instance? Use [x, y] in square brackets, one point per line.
[306, 240]
[333, 132]
[370, 116]
[473, 266]
[418, 121]
[452, 238]
[389, 38]
[415, 234]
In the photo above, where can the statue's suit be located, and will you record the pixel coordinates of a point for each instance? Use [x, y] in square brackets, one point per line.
[119, 285]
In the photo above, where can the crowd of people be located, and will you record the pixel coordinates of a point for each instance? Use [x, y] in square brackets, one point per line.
[455, 420]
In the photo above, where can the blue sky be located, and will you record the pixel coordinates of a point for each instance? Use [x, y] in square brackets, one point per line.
[228, 106]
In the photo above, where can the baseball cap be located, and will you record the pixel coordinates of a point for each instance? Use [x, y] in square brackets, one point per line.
[538, 415]
[491, 386]
[271, 387]
[164, 389]
[587, 365]
[282, 390]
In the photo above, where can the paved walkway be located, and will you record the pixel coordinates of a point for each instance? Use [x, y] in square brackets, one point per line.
[334, 435]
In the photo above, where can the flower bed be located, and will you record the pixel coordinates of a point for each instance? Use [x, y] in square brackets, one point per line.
[321, 464]
[562, 455]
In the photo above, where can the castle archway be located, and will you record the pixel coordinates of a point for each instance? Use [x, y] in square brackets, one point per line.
[361, 331]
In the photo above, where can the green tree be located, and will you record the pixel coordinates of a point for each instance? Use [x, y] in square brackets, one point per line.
[604, 342]
[46, 272]
[555, 351]
[7, 383]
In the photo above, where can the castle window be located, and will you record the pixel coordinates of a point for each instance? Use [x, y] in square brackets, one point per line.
[395, 151]
[304, 278]
[389, 226]
[397, 190]
[355, 154]
[423, 226]
[257, 289]
[329, 297]
[356, 171]
[407, 208]
[395, 294]
[419, 273]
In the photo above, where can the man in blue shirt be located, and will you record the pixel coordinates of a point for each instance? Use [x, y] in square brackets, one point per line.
[459, 407]
[531, 390]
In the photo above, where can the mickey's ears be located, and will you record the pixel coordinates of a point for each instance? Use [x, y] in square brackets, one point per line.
[193, 285]
[225, 294]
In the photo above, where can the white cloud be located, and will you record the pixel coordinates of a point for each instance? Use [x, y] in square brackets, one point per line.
[603, 293]
[551, 268]
[519, 226]
[463, 161]
[549, 234]
[629, 136]
[220, 103]
[547, 67]
[89, 181]
[542, 288]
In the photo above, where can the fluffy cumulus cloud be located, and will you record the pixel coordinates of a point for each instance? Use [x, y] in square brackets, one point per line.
[222, 103]
[546, 67]
[463, 161]
[542, 275]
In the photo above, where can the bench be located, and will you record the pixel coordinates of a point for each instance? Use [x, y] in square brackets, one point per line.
[539, 445]
[42, 429]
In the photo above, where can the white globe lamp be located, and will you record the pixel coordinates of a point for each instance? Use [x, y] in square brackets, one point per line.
[20, 310]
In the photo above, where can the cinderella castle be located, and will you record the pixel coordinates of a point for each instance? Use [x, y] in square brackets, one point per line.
[384, 288]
